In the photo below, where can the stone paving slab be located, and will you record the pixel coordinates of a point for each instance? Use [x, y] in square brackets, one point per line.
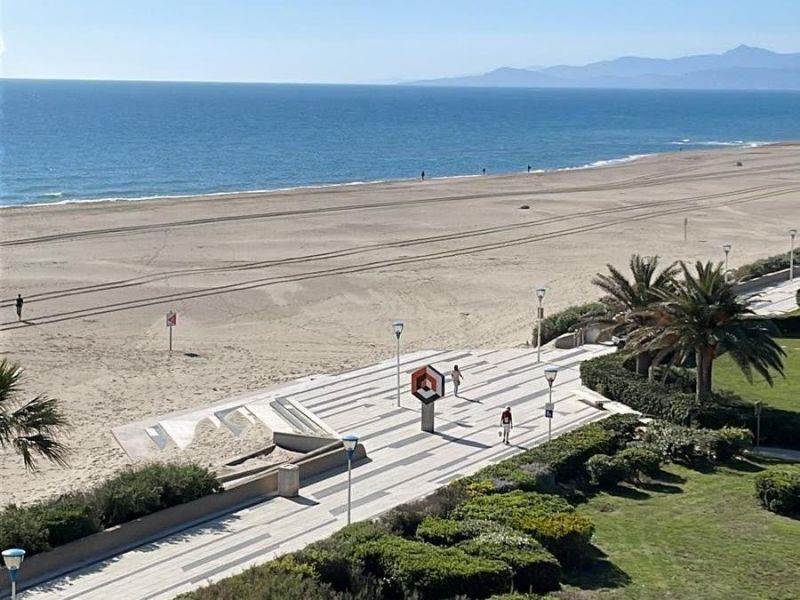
[404, 464]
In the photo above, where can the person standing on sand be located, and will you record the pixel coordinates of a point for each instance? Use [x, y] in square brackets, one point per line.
[457, 377]
[423, 176]
[20, 302]
[506, 422]
[529, 168]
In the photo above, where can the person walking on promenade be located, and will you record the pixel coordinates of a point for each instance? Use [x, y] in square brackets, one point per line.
[457, 377]
[20, 302]
[506, 422]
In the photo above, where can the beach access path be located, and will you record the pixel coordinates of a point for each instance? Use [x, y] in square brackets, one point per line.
[403, 464]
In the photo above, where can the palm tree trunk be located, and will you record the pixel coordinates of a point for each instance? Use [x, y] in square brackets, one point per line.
[643, 362]
[705, 361]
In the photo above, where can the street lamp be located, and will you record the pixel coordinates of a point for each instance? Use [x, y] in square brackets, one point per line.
[397, 326]
[13, 560]
[792, 235]
[539, 315]
[349, 441]
[550, 374]
[726, 248]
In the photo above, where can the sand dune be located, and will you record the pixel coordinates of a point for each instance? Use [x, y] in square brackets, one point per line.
[269, 287]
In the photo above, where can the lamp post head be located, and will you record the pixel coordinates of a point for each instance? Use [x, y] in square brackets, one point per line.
[350, 441]
[550, 373]
[793, 232]
[397, 326]
[13, 558]
[726, 248]
[540, 293]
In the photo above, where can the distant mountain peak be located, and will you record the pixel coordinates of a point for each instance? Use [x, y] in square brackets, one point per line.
[743, 67]
[743, 49]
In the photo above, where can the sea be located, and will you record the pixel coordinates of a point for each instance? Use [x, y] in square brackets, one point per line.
[70, 141]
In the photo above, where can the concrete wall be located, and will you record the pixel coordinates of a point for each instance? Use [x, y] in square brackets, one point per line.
[101, 546]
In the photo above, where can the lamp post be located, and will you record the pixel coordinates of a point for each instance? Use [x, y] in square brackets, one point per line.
[397, 326]
[792, 235]
[349, 441]
[726, 248]
[13, 560]
[550, 374]
[539, 315]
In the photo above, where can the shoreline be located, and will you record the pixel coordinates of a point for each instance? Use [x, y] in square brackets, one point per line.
[598, 164]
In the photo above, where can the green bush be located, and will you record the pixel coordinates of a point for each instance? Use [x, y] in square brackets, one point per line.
[533, 567]
[404, 519]
[677, 443]
[148, 489]
[23, 527]
[731, 441]
[70, 518]
[509, 509]
[566, 320]
[605, 470]
[449, 532]
[779, 491]
[637, 462]
[517, 597]
[567, 535]
[408, 567]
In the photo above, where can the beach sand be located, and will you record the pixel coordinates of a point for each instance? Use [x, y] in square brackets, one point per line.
[272, 286]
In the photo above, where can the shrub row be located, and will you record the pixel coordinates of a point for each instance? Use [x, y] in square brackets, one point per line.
[409, 568]
[129, 495]
[765, 266]
[566, 320]
[608, 376]
[779, 491]
[563, 459]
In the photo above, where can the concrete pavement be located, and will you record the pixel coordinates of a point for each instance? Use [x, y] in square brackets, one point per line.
[403, 464]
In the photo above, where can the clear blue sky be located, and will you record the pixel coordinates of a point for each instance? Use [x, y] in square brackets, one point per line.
[367, 41]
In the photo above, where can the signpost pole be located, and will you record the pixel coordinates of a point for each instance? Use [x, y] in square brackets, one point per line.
[170, 339]
[758, 427]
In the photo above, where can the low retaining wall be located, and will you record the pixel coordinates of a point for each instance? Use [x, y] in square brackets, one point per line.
[754, 285]
[100, 546]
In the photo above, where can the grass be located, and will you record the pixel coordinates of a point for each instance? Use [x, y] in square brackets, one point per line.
[785, 394]
[690, 535]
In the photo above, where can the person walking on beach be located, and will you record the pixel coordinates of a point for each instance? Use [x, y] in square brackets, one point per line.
[457, 377]
[422, 175]
[20, 302]
[484, 171]
[506, 422]
[529, 168]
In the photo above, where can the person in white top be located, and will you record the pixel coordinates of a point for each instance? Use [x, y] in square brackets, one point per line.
[457, 377]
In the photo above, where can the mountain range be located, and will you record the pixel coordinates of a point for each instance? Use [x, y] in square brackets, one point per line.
[743, 68]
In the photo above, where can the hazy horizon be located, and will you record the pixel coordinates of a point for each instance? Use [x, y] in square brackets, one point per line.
[350, 43]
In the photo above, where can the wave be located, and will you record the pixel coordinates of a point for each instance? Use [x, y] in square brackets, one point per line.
[593, 165]
[730, 144]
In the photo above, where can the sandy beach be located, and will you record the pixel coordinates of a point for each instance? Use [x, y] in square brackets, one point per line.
[273, 286]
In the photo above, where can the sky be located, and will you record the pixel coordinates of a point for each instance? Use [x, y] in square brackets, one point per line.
[366, 41]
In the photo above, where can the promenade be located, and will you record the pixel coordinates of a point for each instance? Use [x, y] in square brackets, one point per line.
[403, 464]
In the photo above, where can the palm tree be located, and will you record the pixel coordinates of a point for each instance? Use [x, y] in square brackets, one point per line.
[632, 297]
[29, 427]
[702, 316]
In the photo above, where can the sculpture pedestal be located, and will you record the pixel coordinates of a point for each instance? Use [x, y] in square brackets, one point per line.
[427, 417]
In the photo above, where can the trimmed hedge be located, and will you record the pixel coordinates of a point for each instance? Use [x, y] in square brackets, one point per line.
[449, 532]
[779, 491]
[508, 509]
[408, 567]
[629, 464]
[566, 320]
[567, 535]
[534, 568]
[608, 376]
[765, 266]
[127, 496]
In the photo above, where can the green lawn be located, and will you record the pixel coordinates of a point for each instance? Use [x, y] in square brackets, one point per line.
[693, 535]
[785, 394]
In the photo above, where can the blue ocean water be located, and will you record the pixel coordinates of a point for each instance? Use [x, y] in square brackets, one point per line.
[67, 140]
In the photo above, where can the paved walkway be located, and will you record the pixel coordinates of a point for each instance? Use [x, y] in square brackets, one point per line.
[779, 453]
[404, 463]
[778, 299]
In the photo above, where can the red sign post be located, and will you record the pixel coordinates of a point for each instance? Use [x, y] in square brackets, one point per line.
[172, 320]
